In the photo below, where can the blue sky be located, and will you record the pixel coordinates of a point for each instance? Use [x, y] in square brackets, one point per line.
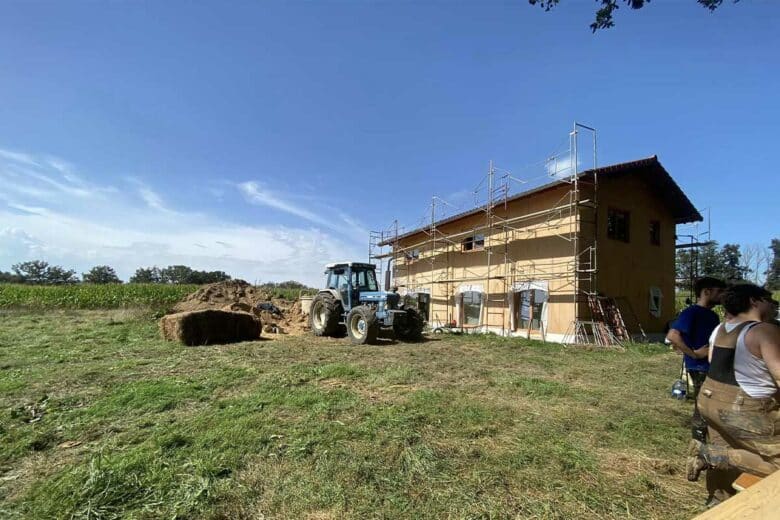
[265, 139]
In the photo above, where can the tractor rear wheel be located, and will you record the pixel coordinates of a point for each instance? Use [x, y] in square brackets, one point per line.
[410, 327]
[362, 326]
[325, 315]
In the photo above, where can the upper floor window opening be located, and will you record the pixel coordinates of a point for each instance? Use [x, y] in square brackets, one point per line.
[618, 224]
[655, 232]
[473, 243]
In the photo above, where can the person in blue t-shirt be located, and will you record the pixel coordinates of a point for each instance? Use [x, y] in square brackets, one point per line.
[690, 334]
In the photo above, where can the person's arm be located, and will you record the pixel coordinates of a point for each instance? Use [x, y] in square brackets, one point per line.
[675, 337]
[768, 337]
[683, 325]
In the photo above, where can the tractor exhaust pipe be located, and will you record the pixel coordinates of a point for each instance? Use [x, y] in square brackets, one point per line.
[387, 274]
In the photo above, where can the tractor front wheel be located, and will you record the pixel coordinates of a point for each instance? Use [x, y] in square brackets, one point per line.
[362, 326]
[325, 315]
[410, 327]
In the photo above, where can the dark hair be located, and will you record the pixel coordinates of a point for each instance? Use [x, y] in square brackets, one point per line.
[736, 299]
[708, 282]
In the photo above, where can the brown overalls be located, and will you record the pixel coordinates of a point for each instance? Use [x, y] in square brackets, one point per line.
[743, 430]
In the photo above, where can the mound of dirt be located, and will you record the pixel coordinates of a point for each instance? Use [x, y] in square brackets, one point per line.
[277, 315]
[210, 326]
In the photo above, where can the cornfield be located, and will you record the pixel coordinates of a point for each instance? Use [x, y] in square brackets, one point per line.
[91, 296]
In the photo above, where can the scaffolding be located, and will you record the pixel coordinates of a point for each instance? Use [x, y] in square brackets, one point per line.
[427, 263]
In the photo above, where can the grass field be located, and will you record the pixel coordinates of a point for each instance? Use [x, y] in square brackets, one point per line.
[102, 419]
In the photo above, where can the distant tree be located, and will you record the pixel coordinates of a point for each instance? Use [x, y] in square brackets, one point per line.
[56, 275]
[101, 274]
[604, 14]
[756, 258]
[732, 269]
[773, 273]
[204, 277]
[710, 262]
[40, 272]
[146, 275]
[687, 268]
[218, 276]
[181, 274]
[176, 274]
[291, 284]
[9, 278]
[32, 272]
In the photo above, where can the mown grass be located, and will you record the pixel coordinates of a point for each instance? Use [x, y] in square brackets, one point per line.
[91, 296]
[99, 418]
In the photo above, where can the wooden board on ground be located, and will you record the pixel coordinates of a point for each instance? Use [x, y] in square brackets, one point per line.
[745, 480]
[760, 501]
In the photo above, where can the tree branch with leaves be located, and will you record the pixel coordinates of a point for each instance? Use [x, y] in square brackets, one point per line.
[604, 15]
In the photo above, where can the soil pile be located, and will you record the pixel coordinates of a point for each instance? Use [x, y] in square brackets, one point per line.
[207, 327]
[276, 314]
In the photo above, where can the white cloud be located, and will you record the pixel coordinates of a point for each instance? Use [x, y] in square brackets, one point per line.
[18, 157]
[48, 179]
[257, 194]
[152, 199]
[559, 166]
[45, 218]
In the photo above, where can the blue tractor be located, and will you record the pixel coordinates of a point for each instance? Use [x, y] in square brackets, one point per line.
[352, 300]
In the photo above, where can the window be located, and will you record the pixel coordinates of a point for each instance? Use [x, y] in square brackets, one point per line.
[364, 280]
[471, 307]
[655, 232]
[473, 243]
[656, 298]
[337, 279]
[529, 305]
[618, 224]
[412, 255]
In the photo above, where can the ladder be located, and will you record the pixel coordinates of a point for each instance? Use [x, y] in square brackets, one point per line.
[607, 321]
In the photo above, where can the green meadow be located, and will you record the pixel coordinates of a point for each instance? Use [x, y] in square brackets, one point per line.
[100, 419]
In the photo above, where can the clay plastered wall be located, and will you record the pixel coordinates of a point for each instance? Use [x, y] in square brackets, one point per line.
[535, 251]
[629, 269]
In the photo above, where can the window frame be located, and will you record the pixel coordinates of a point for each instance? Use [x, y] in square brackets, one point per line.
[481, 302]
[612, 229]
[533, 306]
[655, 301]
[655, 232]
[473, 243]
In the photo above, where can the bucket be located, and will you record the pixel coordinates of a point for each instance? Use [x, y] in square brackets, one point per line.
[306, 304]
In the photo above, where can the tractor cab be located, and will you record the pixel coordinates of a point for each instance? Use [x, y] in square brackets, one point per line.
[351, 280]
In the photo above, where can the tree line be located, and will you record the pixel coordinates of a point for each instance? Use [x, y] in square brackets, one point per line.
[731, 262]
[39, 272]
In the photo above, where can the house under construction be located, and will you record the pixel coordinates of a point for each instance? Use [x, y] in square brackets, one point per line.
[587, 258]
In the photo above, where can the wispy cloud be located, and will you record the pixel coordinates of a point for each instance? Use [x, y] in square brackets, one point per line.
[18, 157]
[330, 218]
[257, 194]
[44, 215]
[152, 199]
[44, 177]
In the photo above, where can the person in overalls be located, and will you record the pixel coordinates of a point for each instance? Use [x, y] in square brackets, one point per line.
[740, 398]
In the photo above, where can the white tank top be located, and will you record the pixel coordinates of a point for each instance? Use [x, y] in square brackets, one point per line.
[750, 372]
